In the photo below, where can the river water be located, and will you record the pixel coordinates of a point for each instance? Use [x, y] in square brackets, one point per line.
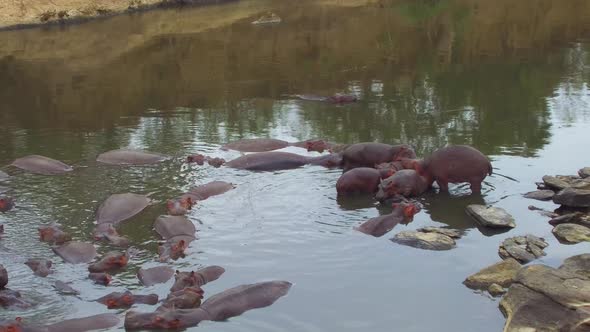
[509, 78]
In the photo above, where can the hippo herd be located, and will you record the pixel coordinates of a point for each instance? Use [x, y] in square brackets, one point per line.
[386, 172]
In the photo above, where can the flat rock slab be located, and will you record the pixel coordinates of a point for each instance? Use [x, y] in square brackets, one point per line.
[120, 207]
[41, 165]
[131, 157]
[579, 264]
[493, 217]
[76, 252]
[155, 275]
[171, 226]
[421, 240]
[502, 273]
[573, 197]
[584, 172]
[452, 233]
[571, 218]
[541, 195]
[523, 248]
[571, 233]
[556, 182]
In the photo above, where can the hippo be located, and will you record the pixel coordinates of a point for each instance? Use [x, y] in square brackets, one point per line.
[274, 161]
[174, 247]
[379, 226]
[53, 234]
[392, 165]
[111, 261]
[171, 226]
[6, 204]
[180, 206]
[100, 278]
[3, 276]
[370, 154]
[406, 182]
[216, 162]
[12, 300]
[76, 252]
[199, 159]
[196, 278]
[64, 288]
[118, 300]
[186, 298]
[97, 322]
[363, 180]
[318, 145]
[335, 99]
[107, 232]
[204, 191]
[119, 207]
[155, 275]
[454, 164]
[40, 267]
[256, 145]
[131, 157]
[229, 303]
[41, 165]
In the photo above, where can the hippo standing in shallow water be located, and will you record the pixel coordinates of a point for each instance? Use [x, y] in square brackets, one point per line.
[454, 164]
[274, 161]
[379, 226]
[406, 182]
[362, 180]
[371, 154]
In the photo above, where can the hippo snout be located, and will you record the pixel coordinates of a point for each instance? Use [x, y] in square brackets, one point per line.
[380, 195]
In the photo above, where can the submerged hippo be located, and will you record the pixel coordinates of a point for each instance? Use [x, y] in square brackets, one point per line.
[6, 203]
[4, 176]
[174, 247]
[107, 232]
[454, 164]
[204, 191]
[76, 252]
[371, 154]
[119, 207]
[379, 226]
[230, 303]
[256, 145]
[362, 180]
[118, 300]
[100, 278]
[171, 226]
[131, 157]
[97, 322]
[180, 206]
[335, 99]
[3, 276]
[186, 298]
[406, 182]
[155, 275]
[53, 234]
[274, 161]
[40, 267]
[42, 165]
[196, 278]
[64, 288]
[12, 300]
[111, 261]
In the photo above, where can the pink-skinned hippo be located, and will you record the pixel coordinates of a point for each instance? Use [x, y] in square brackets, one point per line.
[274, 161]
[111, 261]
[453, 164]
[371, 154]
[12, 300]
[256, 145]
[362, 180]
[406, 182]
[196, 278]
[76, 252]
[119, 207]
[171, 226]
[229, 303]
[180, 206]
[40, 267]
[100, 278]
[174, 247]
[97, 322]
[53, 234]
[108, 232]
[41, 165]
[118, 300]
[186, 298]
[402, 213]
[155, 275]
[131, 157]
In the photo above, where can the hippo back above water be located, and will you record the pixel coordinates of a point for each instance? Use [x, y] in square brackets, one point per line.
[370, 154]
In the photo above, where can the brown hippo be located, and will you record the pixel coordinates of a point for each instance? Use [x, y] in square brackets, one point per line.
[196, 278]
[117, 300]
[215, 162]
[406, 182]
[171, 226]
[180, 206]
[174, 247]
[199, 159]
[40, 267]
[318, 145]
[100, 278]
[3, 276]
[119, 207]
[53, 234]
[371, 154]
[131, 157]
[186, 298]
[107, 232]
[6, 204]
[204, 191]
[392, 165]
[111, 261]
[454, 164]
[274, 161]
[379, 226]
[363, 180]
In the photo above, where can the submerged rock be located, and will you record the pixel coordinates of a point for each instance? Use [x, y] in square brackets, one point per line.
[491, 216]
[572, 218]
[541, 195]
[523, 248]
[571, 233]
[584, 172]
[502, 273]
[422, 240]
[573, 197]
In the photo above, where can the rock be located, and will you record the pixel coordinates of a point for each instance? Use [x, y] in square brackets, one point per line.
[571, 233]
[428, 241]
[571, 218]
[541, 186]
[573, 197]
[501, 273]
[452, 233]
[523, 248]
[491, 216]
[583, 184]
[554, 182]
[541, 195]
[496, 290]
[584, 172]
[579, 264]
[527, 310]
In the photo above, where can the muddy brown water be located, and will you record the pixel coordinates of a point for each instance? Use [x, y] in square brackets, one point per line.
[510, 78]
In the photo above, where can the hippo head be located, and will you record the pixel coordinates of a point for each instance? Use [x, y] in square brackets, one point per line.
[197, 158]
[415, 164]
[162, 320]
[6, 204]
[101, 278]
[387, 189]
[103, 230]
[118, 260]
[180, 206]
[317, 145]
[216, 162]
[408, 209]
[12, 326]
[403, 151]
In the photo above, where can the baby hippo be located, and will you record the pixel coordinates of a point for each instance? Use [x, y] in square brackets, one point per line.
[117, 300]
[6, 204]
[180, 206]
[53, 234]
[362, 180]
[100, 278]
[111, 261]
[406, 182]
[379, 226]
[454, 164]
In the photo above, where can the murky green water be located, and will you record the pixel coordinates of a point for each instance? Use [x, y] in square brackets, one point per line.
[510, 78]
